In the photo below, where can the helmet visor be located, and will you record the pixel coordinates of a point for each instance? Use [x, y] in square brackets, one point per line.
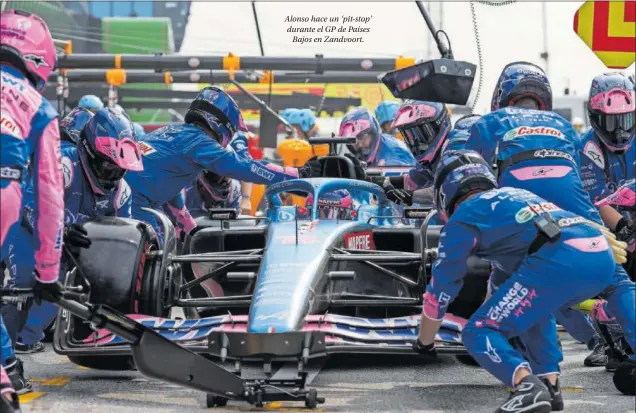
[107, 172]
[611, 123]
[419, 137]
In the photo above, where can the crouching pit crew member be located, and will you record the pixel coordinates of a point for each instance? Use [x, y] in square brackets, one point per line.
[93, 174]
[544, 248]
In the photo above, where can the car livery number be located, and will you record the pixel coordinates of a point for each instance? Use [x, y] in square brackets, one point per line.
[359, 241]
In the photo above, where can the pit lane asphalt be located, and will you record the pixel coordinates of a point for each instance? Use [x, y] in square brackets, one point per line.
[349, 385]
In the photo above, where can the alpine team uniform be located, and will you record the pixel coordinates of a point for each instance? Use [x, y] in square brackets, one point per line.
[390, 152]
[537, 151]
[80, 204]
[372, 146]
[173, 158]
[29, 128]
[497, 225]
[30, 145]
[604, 171]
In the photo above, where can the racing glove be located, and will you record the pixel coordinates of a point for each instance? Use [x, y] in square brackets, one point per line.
[625, 232]
[311, 169]
[619, 248]
[47, 291]
[399, 196]
[76, 237]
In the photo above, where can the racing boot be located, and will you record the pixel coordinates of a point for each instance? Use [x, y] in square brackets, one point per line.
[555, 393]
[625, 377]
[616, 355]
[29, 348]
[530, 396]
[16, 375]
[598, 357]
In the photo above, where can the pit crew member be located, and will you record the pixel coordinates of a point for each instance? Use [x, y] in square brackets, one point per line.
[175, 155]
[30, 139]
[537, 150]
[303, 120]
[385, 113]
[73, 123]
[531, 239]
[424, 126]
[93, 174]
[461, 132]
[91, 102]
[607, 150]
[372, 146]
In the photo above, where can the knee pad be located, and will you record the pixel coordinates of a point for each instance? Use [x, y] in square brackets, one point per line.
[625, 377]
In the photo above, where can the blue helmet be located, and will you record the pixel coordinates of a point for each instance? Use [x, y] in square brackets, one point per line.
[214, 109]
[303, 118]
[520, 80]
[459, 174]
[364, 126]
[108, 149]
[73, 123]
[386, 111]
[91, 102]
[139, 130]
[424, 126]
[458, 137]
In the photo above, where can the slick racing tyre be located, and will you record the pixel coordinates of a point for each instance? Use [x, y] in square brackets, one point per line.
[123, 276]
[625, 377]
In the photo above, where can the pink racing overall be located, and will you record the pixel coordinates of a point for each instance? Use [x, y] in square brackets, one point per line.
[30, 133]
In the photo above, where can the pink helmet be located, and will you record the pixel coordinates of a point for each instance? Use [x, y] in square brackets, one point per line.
[26, 43]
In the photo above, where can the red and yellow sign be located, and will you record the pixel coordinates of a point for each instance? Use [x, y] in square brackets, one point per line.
[609, 30]
[370, 94]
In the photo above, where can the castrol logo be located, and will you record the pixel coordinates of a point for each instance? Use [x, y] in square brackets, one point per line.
[539, 130]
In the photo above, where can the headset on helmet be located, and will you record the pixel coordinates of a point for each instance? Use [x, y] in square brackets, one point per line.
[424, 126]
[108, 149]
[459, 174]
[91, 102]
[386, 111]
[361, 124]
[611, 110]
[26, 43]
[214, 109]
[73, 123]
[520, 80]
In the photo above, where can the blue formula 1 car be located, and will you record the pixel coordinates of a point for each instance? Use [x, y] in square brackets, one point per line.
[291, 285]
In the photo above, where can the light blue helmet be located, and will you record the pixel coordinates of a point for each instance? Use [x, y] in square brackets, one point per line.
[386, 111]
[91, 102]
[139, 130]
[304, 118]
